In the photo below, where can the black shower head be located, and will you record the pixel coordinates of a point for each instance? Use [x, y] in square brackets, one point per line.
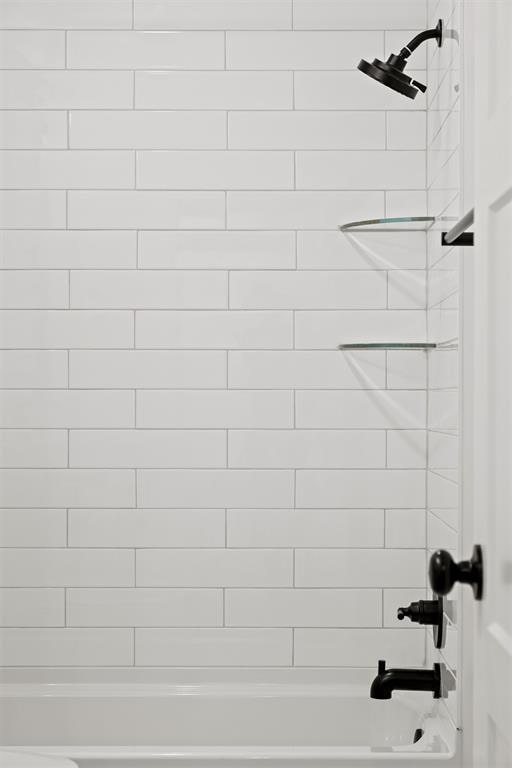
[391, 72]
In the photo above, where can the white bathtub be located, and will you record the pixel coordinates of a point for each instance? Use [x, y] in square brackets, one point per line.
[133, 718]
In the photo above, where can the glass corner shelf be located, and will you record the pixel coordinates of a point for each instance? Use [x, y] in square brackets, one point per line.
[425, 346]
[390, 224]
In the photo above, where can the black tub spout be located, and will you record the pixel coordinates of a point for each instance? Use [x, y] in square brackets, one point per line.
[389, 680]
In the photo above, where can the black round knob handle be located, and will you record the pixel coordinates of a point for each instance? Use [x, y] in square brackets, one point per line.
[444, 572]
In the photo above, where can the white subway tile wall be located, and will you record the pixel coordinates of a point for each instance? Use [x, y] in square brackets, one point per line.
[446, 198]
[190, 473]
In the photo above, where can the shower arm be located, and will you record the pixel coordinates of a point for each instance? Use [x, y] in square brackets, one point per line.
[399, 60]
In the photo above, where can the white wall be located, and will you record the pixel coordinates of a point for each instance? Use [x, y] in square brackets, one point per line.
[191, 474]
[446, 200]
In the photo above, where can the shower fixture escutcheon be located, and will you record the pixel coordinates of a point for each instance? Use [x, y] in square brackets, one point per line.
[429, 612]
[391, 72]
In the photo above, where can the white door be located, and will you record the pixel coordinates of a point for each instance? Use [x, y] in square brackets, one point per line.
[493, 381]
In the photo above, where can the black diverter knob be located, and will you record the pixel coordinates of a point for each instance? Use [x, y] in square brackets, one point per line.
[427, 612]
[444, 572]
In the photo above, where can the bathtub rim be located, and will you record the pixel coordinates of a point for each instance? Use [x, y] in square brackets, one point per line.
[439, 739]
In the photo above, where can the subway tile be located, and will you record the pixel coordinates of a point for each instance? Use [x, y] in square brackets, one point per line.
[406, 130]
[358, 647]
[213, 14]
[67, 568]
[214, 568]
[33, 527]
[32, 368]
[215, 170]
[219, 170]
[361, 250]
[300, 210]
[141, 369]
[216, 487]
[146, 210]
[60, 330]
[54, 409]
[443, 368]
[327, 329]
[31, 50]
[33, 130]
[291, 449]
[217, 250]
[32, 607]
[348, 90]
[369, 568]
[361, 410]
[444, 406]
[146, 528]
[66, 89]
[144, 607]
[406, 449]
[299, 50]
[443, 493]
[407, 371]
[145, 50]
[67, 647]
[307, 290]
[360, 488]
[64, 249]
[55, 169]
[407, 289]
[405, 528]
[216, 409]
[409, 203]
[305, 130]
[214, 330]
[32, 209]
[443, 450]
[137, 129]
[303, 607]
[223, 647]
[305, 370]
[213, 90]
[443, 128]
[305, 528]
[358, 14]
[134, 289]
[146, 448]
[440, 535]
[20, 289]
[65, 14]
[66, 488]
[360, 170]
[33, 448]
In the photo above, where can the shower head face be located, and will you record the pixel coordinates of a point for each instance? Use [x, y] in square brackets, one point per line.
[390, 73]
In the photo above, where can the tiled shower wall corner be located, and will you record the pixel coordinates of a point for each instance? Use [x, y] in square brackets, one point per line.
[191, 474]
[445, 199]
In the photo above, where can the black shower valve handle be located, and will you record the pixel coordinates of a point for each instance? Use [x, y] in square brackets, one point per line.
[444, 572]
[429, 612]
